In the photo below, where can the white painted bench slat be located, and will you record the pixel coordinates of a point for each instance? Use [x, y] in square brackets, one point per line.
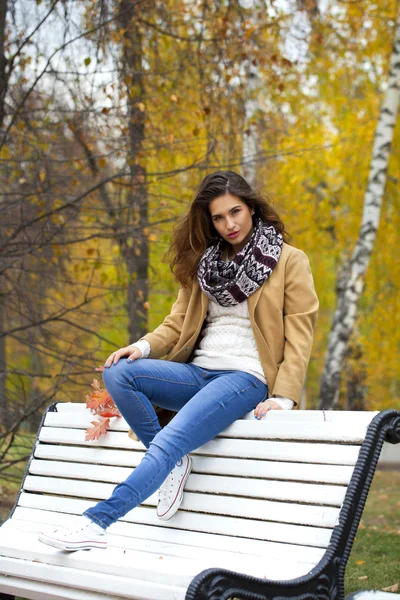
[336, 474]
[263, 450]
[176, 541]
[316, 416]
[265, 429]
[43, 571]
[265, 510]
[171, 550]
[39, 590]
[224, 525]
[329, 495]
[156, 567]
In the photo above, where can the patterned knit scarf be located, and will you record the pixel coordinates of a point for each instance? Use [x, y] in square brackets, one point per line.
[231, 282]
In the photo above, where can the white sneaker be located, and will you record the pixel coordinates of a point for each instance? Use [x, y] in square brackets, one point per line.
[83, 534]
[170, 494]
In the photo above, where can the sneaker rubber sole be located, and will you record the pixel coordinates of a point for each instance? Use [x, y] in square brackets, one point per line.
[71, 546]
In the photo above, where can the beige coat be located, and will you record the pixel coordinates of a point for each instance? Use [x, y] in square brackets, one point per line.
[283, 313]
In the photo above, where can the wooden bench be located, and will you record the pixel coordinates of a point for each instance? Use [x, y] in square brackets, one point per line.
[270, 510]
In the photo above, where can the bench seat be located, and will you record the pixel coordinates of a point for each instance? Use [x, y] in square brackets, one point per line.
[263, 500]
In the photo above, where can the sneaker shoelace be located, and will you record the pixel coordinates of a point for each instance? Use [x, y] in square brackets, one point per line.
[164, 491]
[73, 528]
[67, 530]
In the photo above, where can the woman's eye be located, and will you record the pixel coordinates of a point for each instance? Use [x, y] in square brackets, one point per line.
[233, 212]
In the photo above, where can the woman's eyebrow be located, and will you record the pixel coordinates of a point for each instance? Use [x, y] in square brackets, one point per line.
[233, 207]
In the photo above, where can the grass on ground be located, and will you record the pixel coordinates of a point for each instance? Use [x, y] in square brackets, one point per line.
[374, 563]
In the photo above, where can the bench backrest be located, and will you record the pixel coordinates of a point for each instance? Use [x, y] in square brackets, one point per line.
[280, 481]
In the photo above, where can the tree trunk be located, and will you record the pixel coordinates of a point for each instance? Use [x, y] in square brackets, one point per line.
[3, 286]
[136, 255]
[133, 245]
[250, 137]
[35, 418]
[3, 61]
[4, 416]
[351, 278]
[355, 379]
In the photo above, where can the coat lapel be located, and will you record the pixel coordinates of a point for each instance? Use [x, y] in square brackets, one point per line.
[204, 303]
[253, 299]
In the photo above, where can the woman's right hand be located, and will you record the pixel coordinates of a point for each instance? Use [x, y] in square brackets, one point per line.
[131, 353]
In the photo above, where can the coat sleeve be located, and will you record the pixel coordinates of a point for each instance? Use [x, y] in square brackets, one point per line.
[166, 335]
[300, 312]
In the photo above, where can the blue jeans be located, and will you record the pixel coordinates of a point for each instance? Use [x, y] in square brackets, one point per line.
[206, 402]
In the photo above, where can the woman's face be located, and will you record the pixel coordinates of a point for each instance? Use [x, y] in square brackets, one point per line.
[230, 215]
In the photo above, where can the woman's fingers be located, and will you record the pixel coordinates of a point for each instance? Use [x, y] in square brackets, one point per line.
[109, 360]
[115, 356]
[135, 354]
[132, 354]
[262, 408]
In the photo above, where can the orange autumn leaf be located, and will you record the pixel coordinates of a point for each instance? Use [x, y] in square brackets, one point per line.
[99, 427]
[97, 399]
[99, 402]
[95, 384]
[110, 412]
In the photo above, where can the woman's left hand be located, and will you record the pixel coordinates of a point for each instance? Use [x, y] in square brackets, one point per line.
[262, 408]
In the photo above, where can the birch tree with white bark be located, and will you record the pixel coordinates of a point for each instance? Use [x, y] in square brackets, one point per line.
[350, 283]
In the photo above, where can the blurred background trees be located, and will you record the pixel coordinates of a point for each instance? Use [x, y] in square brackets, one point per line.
[111, 113]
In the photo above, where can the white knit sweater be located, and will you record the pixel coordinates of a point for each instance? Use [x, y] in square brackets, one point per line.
[227, 343]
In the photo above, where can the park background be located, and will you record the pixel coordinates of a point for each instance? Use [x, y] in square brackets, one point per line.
[111, 113]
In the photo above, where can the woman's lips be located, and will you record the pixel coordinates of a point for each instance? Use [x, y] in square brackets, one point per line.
[233, 235]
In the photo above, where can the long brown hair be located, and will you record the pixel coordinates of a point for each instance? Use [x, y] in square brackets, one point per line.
[195, 231]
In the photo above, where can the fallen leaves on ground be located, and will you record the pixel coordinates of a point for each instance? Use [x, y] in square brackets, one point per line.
[391, 588]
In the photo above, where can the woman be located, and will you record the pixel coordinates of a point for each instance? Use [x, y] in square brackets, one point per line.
[246, 305]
